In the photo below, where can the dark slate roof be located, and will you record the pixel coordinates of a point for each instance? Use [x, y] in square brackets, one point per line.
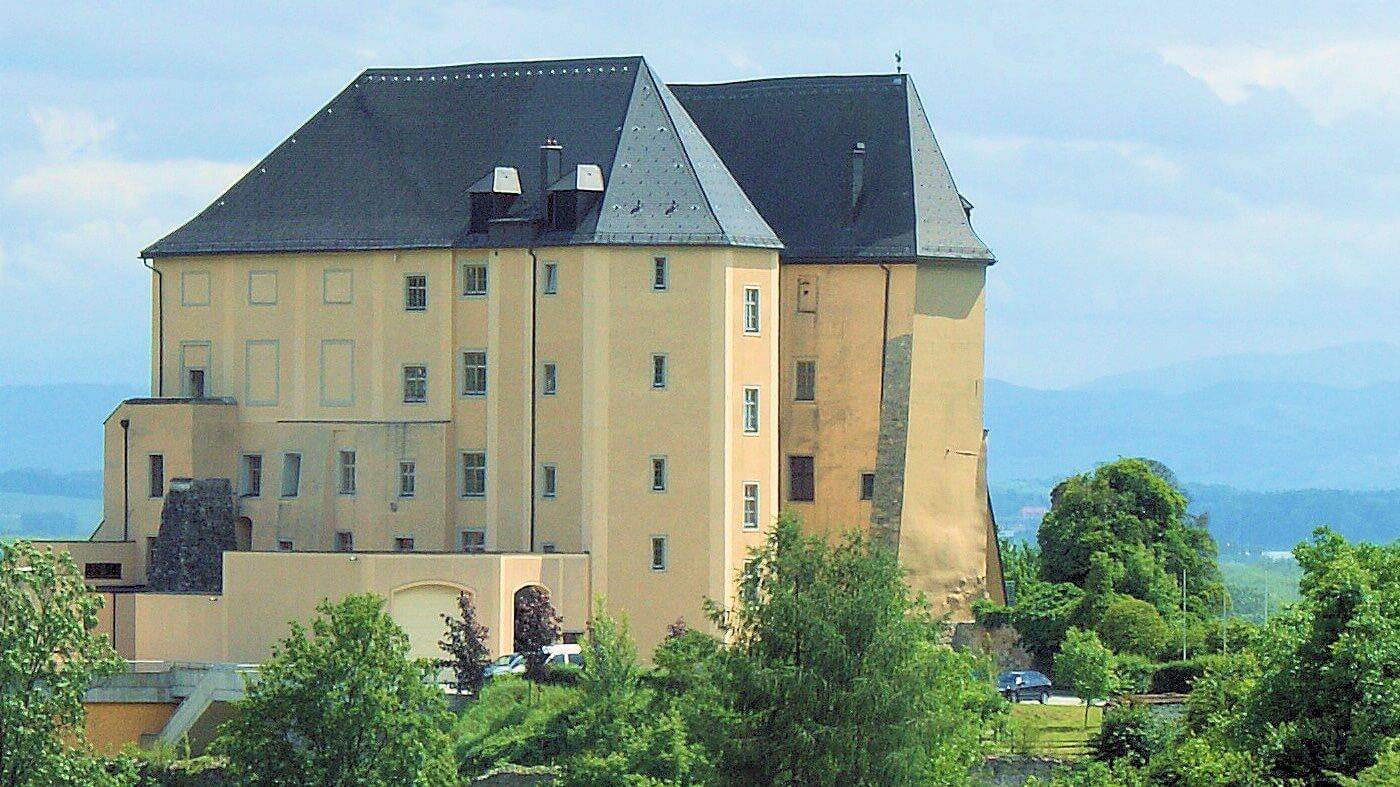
[387, 164]
[788, 141]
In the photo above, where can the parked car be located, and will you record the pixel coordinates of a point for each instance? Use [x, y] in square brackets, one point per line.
[557, 656]
[1024, 685]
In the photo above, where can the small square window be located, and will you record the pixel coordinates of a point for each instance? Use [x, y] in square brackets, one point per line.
[157, 467]
[474, 474]
[659, 556]
[408, 479]
[251, 483]
[473, 540]
[403, 544]
[751, 410]
[474, 279]
[549, 481]
[347, 472]
[549, 385]
[474, 373]
[660, 275]
[750, 505]
[658, 474]
[805, 381]
[284, 545]
[415, 292]
[415, 384]
[551, 278]
[658, 371]
[548, 548]
[867, 486]
[751, 313]
[344, 541]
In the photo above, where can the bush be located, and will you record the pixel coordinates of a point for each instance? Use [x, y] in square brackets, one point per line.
[1134, 627]
[560, 675]
[1131, 733]
[1135, 673]
[511, 723]
[1176, 677]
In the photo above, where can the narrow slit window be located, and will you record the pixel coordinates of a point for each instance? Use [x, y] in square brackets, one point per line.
[659, 372]
[549, 382]
[659, 474]
[251, 485]
[347, 472]
[751, 310]
[867, 486]
[408, 479]
[660, 274]
[659, 553]
[157, 462]
[549, 481]
[750, 505]
[805, 381]
[551, 278]
[291, 475]
[751, 410]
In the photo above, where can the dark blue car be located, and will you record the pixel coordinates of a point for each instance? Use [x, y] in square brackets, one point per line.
[1024, 685]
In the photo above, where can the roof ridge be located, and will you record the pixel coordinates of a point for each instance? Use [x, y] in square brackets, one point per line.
[531, 65]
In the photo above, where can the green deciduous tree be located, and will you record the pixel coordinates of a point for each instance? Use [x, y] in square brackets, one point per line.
[342, 705]
[833, 675]
[49, 656]
[1133, 626]
[1087, 666]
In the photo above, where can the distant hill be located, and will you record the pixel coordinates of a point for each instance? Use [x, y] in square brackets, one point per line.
[1358, 365]
[56, 427]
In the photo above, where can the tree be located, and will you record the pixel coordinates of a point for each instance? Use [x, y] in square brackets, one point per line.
[1134, 626]
[832, 673]
[50, 656]
[1087, 666]
[536, 626]
[342, 705]
[465, 644]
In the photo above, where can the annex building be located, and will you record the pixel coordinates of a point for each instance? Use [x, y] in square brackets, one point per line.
[483, 327]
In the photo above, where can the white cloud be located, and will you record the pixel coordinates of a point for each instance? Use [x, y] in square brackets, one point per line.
[1332, 81]
[108, 185]
[64, 132]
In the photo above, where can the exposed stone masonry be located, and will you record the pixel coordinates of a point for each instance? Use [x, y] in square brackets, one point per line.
[196, 528]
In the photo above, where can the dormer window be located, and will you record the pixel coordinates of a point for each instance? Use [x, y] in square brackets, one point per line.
[573, 196]
[492, 197]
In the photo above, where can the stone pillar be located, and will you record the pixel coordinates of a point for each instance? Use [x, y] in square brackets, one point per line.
[196, 527]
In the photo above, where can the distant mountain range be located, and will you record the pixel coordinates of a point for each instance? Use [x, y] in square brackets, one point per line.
[1357, 365]
[56, 427]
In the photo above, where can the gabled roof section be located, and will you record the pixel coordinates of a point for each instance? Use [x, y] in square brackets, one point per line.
[788, 144]
[389, 162]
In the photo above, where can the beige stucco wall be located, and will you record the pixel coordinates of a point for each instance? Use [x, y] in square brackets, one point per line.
[113, 725]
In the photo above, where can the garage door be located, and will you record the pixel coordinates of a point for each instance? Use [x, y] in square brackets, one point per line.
[418, 611]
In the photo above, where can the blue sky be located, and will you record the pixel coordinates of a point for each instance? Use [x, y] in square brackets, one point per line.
[1158, 186]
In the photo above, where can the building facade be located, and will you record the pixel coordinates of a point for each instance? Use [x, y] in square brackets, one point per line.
[480, 328]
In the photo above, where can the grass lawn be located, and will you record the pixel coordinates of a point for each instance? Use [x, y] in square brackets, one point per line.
[1051, 730]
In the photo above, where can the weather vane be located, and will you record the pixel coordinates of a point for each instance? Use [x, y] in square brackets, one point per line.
[898, 62]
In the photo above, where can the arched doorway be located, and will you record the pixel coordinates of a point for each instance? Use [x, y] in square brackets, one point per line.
[243, 534]
[535, 616]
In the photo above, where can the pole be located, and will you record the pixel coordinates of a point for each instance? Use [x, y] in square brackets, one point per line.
[1183, 614]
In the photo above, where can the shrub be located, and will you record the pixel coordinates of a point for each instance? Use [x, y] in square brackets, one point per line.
[1176, 677]
[511, 723]
[1131, 733]
[1135, 673]
[1135, 627]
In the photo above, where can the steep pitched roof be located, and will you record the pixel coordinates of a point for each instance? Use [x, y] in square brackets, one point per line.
[788, 141]
[389, 161]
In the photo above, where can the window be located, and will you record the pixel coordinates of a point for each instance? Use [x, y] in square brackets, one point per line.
[474, 373]
[403, 544]
[551, 278]
[157, 462]
[102, 570]
[750, 410]
[344, 541]
[550, 383]
[473, 540]
[194, 384]
[291, 475]
[658, 553]
[284, 545]
[750, 505]
[415, 384]
[658, 474]
[807, 296]
[805, 382]
[801, 487]
[347, 472]
[474, 474]
[659, 277]
[408, 482]
[549, 481]
[867, 486]
[251, 485]
[658, 370]
[415, 292]
[474, 279]
[750, 310]
[548, 548]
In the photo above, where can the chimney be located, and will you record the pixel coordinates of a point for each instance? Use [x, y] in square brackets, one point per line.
[551, 152]
[857, 177]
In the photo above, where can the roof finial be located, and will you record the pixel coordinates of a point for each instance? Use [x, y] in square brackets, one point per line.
[898, 62]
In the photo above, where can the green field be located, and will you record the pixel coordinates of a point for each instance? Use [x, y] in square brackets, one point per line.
[1047, 730]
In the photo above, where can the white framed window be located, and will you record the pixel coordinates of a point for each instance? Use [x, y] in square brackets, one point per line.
[659, 474]
[415, 384]
[549, 480]
[250, 484]
[474, 279]
[473, 474]
[403, 544]
[660, 273]
[408, 478]
[291, 474]
[474, 373]
[549, 379]
[473, 540]
[551, 278]
[750, 505]
[344, 541]
[659, 372]
[415, 292]
[157, 475]
[805, 381]
[660, 553]
[750, 409]
[347, 472]
[751, 310]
